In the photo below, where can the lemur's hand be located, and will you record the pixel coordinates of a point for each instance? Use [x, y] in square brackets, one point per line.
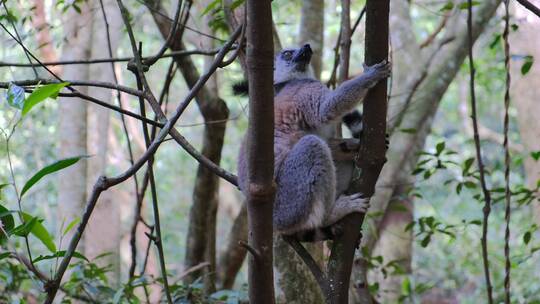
[377, 72]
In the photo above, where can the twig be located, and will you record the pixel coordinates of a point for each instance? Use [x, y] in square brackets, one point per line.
[531, 7]
[487, 196]
[141, 81]
[19, 37]
[315, 269]
[251, 250]
[169, 39]
[345, 41]
[103, 183]
[507, 263]
[436, 32]
[106, 60]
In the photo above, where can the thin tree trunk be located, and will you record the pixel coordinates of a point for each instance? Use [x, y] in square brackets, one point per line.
[372, 152]
[106, 216]
[426, 94]
[260, 150]
[73, 120]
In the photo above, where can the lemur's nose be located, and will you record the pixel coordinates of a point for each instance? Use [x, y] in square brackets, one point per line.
[307, 46]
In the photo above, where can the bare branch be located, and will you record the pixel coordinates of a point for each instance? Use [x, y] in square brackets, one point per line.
[487, 195]
[531, 7]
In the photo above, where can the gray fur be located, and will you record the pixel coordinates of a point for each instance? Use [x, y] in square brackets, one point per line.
[306, 115]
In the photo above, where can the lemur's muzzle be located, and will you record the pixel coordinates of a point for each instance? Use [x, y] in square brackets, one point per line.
[304, 54]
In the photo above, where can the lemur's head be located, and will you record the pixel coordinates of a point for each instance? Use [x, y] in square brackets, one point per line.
[292, 64]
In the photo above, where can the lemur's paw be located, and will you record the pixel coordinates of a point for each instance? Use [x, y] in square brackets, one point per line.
[378, 71]
[356, 202]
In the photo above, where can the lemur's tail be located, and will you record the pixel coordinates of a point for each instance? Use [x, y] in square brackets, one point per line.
[353, 121]
[240, 88]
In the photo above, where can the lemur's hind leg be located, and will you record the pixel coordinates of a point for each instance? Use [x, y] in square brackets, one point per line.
[346, 204]
[306, 186]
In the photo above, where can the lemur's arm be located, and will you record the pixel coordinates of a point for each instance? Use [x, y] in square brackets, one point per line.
[343, 99]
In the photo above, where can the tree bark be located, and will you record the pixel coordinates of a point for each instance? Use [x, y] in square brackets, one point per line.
[233, 257]
[260, 150]
[72, 118]
[106, 216]
[311, 31]
[46, 49]
[371, 153]
[525, 90]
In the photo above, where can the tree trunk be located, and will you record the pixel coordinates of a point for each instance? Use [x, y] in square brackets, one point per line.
[260, 150]
[106, 216]
[233, 257]
[46, 49]
[73, 120]
[525, 91]
[311, 31]
[425, 87]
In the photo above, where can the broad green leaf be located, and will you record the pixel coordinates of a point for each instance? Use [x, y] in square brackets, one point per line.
[42, 93]
[57, 166]
[426, 241]
[527, 65]
[70, 226]
[15, 96]
[6, 218]
[7, 222]
[39, 231]
[440, 147]
[25, 228]
[59, 254]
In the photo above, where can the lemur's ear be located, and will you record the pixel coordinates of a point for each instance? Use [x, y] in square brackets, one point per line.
[240, 88]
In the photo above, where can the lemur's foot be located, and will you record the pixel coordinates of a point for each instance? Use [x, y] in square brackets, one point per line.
[378, 71]
[353, 203]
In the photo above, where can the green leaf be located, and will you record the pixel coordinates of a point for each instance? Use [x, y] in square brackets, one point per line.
[211, 6]
[6, 222]
[42, 93]
[467, 165]
[59, 254]
[70, 226]
[470, 185]
[527, 237]
[25, 228]
[426, 241]
[409, 130]
[465, 5]
[39, 231]
[7, 219]
[15, 96]
[476, 222]
[526, 67]
[440, 147]
[57, 166]
[448, 6]
[535, 155]
[4, 255]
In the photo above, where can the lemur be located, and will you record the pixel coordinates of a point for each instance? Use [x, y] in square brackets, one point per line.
[306, 114]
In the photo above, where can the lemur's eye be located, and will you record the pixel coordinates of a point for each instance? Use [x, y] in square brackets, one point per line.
[287, 55]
